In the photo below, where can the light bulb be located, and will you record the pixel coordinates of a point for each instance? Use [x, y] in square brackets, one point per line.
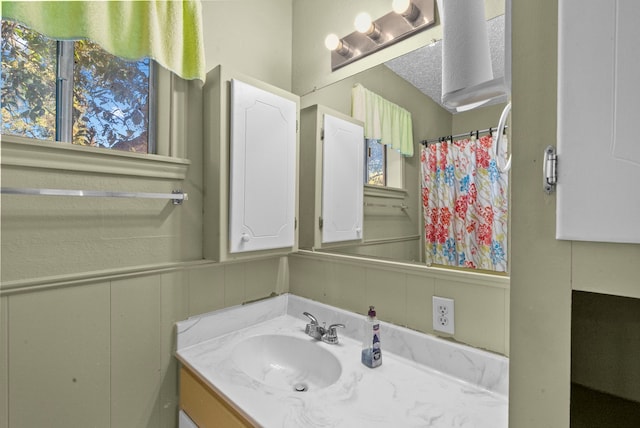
[400, 6]
[331, 42]
[408, 10]
[362, 22]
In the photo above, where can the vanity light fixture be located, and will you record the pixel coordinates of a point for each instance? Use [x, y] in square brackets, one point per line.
[407, 18]
[334, 43]
[407, 9]
[400, 6]
[366, 26]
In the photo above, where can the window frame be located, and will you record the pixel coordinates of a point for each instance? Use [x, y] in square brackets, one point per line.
[65, 90]
[367, 155]
[393, 169]
[168, 106]
[64, 96]
[168, 162]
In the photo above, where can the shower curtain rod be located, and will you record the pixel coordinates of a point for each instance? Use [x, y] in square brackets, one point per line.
[470, 134]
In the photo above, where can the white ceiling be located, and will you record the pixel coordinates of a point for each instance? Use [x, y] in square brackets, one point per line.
[423, 67]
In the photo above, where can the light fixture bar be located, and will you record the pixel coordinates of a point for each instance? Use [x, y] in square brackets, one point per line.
[334, 43]
[384, 31]
[412, 14]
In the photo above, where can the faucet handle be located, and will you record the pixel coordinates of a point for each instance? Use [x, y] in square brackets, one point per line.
[313, 329]
[313, 319]
[332, 327]
[331, 336]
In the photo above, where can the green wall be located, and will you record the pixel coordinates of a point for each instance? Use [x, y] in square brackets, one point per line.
[100, 352]
[540, 266]
[90, 305]
[545, 270]
[254, 37]
[91, 289]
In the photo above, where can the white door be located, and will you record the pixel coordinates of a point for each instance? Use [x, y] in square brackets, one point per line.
[262, 169]
[598, 111]
[342, 180]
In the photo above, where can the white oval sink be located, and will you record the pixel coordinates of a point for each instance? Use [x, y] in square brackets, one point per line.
[287, 362]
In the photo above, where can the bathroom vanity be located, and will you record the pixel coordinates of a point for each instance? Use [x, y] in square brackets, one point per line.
[254, 365]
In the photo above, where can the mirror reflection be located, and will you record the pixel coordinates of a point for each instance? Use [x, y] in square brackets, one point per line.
[394, 225]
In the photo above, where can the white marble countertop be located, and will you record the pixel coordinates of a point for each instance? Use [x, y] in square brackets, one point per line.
[401, 393]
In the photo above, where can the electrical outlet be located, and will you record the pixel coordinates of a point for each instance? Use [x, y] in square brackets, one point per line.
[443, 315]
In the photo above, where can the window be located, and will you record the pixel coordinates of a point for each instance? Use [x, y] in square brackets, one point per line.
[74, 92]
[376, 163]
[384, 165]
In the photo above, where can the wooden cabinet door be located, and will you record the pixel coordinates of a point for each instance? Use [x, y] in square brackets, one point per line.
[262, 169]
[205, 407]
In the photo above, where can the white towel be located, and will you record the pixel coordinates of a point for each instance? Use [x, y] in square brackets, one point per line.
[466, 57]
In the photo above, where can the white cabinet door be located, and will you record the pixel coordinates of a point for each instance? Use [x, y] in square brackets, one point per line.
[598, 111]
[342, 180]
[262, 169]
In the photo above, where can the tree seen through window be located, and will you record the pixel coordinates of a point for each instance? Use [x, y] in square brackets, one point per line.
[109, 96]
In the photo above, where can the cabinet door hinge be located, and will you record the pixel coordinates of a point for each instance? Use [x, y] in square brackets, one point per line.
[550, 170]
[320, 222]
[322, 133]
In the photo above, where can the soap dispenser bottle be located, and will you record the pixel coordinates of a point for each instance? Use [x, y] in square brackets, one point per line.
[371, 352]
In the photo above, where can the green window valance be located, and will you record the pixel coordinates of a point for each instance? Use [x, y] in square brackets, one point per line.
[170, 32]
[383, 120]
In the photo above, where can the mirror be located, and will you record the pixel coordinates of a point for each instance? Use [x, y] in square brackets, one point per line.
[393, 222]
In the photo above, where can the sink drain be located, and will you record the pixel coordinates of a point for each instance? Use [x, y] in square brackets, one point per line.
[300, 387]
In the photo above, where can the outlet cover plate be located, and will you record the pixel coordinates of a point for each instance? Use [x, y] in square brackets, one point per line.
[443, 315]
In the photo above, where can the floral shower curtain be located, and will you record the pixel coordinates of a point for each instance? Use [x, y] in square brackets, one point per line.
[465, 200]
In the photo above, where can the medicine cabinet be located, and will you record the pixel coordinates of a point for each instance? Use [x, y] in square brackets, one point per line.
[598, 110]
[250, 167]
[331, 179]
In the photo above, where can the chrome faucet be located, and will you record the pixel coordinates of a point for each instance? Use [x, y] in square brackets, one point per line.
[313, 329]
[319, 332]
[331, 335]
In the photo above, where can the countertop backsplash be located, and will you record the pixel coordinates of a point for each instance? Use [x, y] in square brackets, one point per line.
[477, 367]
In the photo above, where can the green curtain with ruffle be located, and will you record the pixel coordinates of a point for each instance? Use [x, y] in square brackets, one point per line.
[169, 32]
[384, 121]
